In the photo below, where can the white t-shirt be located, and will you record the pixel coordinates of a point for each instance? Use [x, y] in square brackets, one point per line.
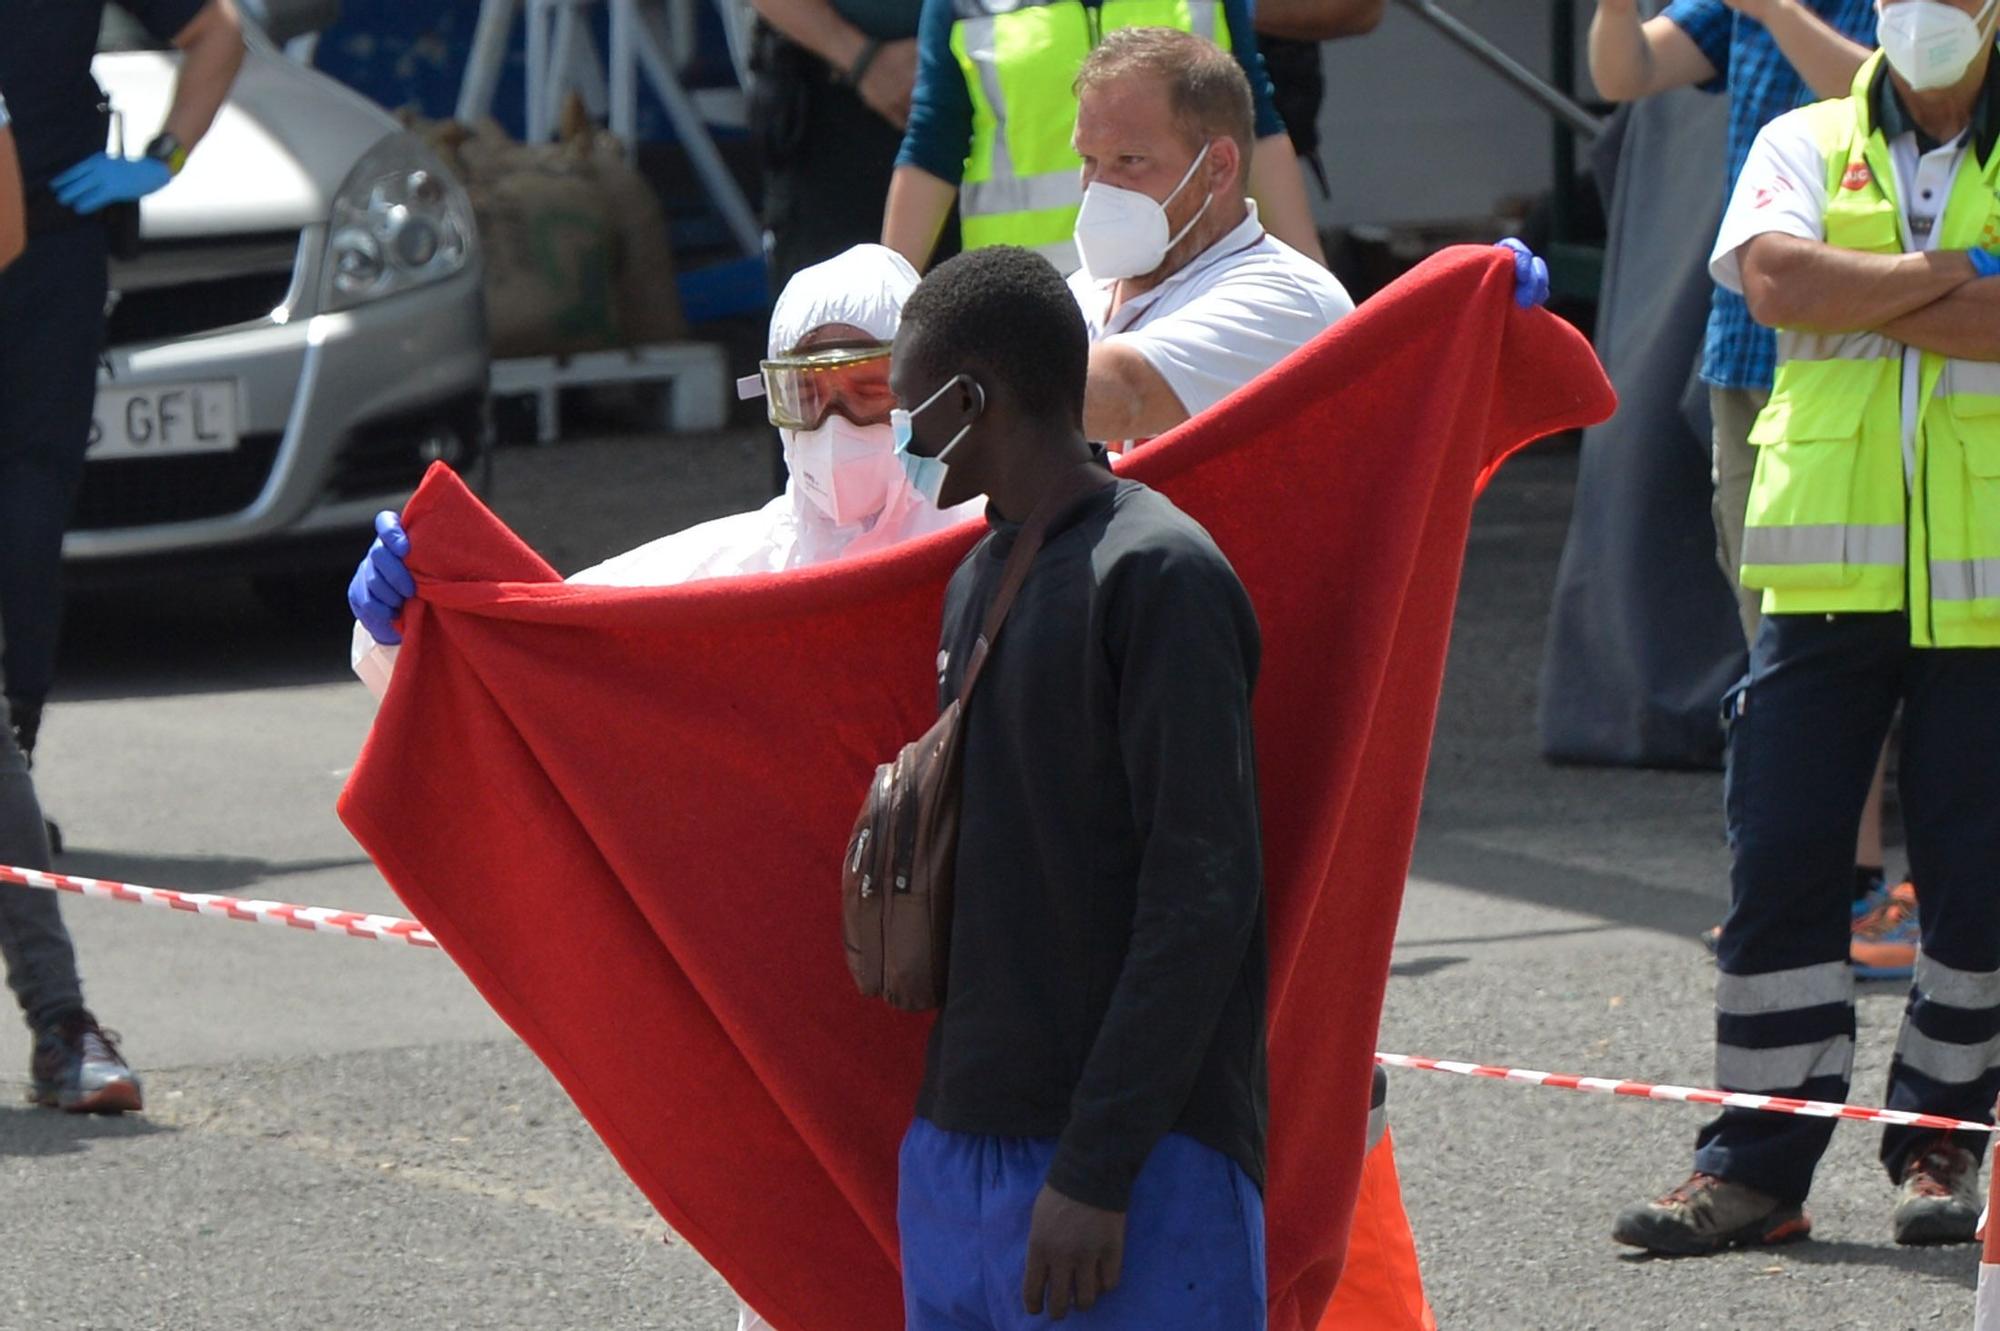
[1241, 306]
[1782, 191]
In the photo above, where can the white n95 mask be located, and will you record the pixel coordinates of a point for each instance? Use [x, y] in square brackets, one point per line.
[846, 471]
[1122, 233]
[1931, 44]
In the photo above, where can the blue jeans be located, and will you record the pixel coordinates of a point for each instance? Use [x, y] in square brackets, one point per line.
[1194, 1238]
[1804, 733]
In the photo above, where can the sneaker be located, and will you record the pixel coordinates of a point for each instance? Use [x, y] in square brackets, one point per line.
[1707, 1214]
[1939, 1199]
[1884, 941]
[77, 1068]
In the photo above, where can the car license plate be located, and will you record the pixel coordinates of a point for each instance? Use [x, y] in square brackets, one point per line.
[162, 419]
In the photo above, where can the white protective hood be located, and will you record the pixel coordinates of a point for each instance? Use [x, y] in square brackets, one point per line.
[865, 288]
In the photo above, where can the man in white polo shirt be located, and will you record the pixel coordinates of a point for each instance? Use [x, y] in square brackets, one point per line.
[1186, 296]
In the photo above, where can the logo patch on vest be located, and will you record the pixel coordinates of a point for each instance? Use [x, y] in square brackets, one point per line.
[1858, 176]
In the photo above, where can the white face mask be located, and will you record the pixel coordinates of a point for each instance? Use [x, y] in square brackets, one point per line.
[1122, 233]
[846, 471]
[1930, 43]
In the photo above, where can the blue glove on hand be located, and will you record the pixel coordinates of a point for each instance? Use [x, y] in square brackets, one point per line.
[1531, 274]
[1985, 262]
[97, 182]
[383, 581]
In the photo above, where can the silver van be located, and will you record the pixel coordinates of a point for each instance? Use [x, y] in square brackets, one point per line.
[302, 334]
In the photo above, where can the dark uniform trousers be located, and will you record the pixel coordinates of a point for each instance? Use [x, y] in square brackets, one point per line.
[1805, 731]
[51, 335]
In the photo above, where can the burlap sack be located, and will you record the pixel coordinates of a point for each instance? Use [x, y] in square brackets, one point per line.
[577, 257]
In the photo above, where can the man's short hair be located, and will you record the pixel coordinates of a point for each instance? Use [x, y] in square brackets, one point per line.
[1004, 315]
[1207, 93]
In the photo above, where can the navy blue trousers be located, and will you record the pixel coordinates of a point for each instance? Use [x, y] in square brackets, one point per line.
[51, 335]
[1194, 1238]
[1805, 730]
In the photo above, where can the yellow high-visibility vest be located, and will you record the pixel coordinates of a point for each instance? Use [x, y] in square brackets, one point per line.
[1021, 184]
[1843, 517]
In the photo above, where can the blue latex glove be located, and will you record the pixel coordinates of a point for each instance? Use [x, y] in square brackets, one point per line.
[1985, 262]
[97, 182]
[1531, 274]
[383, 582]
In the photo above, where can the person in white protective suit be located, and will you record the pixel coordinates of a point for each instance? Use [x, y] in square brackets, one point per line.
[827, 382]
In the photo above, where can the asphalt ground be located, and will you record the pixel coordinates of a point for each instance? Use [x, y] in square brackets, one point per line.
[340, 1135]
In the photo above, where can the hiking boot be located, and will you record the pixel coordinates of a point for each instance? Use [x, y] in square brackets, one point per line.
[1707, 1214]
[1883, 944]
[1939, 1199]
[77, 1068]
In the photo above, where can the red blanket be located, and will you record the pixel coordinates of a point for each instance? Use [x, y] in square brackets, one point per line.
[622, 811]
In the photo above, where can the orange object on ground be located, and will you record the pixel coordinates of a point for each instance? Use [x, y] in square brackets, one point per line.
[1380, 1288]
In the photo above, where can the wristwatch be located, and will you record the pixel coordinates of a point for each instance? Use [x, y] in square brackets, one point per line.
[166, 148]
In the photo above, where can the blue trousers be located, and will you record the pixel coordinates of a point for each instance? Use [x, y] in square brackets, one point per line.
[1194, 1238]
[1804, 734]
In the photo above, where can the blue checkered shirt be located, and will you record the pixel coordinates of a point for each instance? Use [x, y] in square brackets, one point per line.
[1762, 86]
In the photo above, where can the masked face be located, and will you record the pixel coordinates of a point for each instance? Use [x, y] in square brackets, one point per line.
[1932, 44]
[846, 471]
[1122, 233]
[926, 474]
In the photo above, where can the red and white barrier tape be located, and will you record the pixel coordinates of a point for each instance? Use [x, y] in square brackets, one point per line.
[317, 919]
[1770, 1104]
[392, 929]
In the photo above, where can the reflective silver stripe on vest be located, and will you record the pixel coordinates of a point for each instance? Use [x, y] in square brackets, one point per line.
[1941, 1060]
[1784, 991]
[1979, 378]
[1965, 579]
[966, 10]
[1795, 345]
[1021, 194]
[1201, 18]
[982, 50]
[1976, 990]
[1378, 1124]
[1061, 253]
[1824, 543]
[1786, 1068]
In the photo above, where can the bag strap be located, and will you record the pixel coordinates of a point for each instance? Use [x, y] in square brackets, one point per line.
[1075, 486]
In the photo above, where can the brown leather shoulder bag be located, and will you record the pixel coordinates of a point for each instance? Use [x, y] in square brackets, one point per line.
[896, 881]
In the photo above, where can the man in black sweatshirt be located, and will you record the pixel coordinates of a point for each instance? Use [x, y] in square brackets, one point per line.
[1089, 1140]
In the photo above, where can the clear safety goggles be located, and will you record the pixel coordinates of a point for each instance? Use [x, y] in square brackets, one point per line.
[804, 390]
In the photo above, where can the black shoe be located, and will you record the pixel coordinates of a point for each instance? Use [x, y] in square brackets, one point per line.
[77, 1068]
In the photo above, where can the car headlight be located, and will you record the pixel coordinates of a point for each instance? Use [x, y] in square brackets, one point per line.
[399, 221]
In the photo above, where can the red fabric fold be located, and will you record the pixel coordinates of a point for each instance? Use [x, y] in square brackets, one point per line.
[622, 811]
